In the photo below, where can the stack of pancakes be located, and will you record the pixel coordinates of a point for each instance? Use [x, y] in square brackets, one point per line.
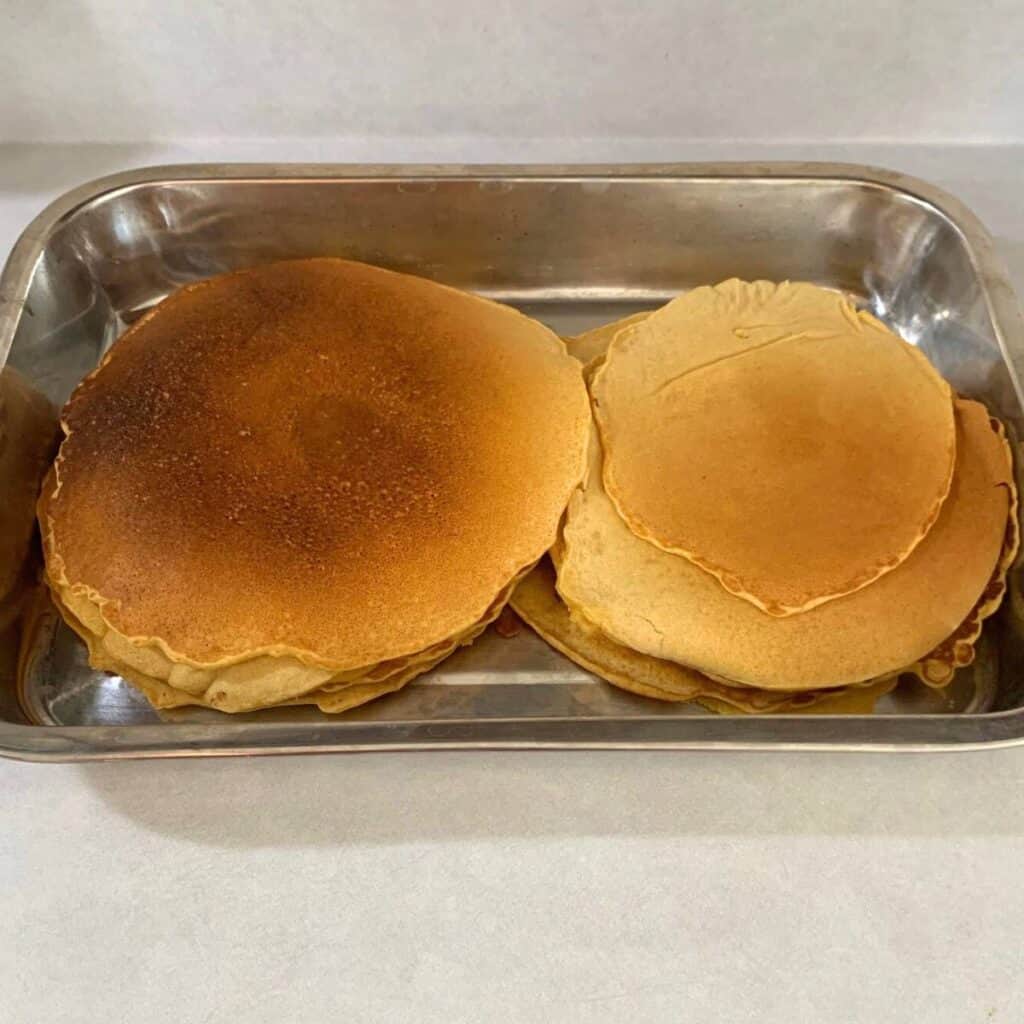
[786, 506]
[307, 483]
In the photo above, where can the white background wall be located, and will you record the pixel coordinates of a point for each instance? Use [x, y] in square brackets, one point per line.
[131, 70]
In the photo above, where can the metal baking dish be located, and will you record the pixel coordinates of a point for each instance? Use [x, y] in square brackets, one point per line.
[574, 246]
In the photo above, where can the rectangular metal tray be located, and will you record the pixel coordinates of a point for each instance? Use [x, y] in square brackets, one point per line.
[573, 246]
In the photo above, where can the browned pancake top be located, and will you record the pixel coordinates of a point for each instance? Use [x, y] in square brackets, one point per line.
[318, 456]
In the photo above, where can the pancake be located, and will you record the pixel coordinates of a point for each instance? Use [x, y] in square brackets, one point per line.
[848, 700]
[537, 602]
[332, 696]
[937, 667]
[593, 344]
[662, 605]
[788, 444]
[316, 460]
[28, 429]
[258, 682]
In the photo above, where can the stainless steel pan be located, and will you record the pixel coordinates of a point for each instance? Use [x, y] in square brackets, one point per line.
[574, 246]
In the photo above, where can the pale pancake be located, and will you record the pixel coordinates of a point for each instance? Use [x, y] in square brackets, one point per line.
[848, 700]
[663, 605]
[332, 697]
[537, 602]
[936, 669]
[28, 433]
[264, 681]
[353, 696]
[791, 446]
[318, 460]
[593, 344]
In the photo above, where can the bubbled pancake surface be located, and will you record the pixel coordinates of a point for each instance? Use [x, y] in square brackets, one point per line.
[317, 458]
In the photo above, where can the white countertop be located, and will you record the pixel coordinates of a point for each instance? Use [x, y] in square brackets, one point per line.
[535, 886]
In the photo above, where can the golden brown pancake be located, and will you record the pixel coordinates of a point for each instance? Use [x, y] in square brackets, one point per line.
[660, 604]
[788, 444]
[318, 460]
[538, 604]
